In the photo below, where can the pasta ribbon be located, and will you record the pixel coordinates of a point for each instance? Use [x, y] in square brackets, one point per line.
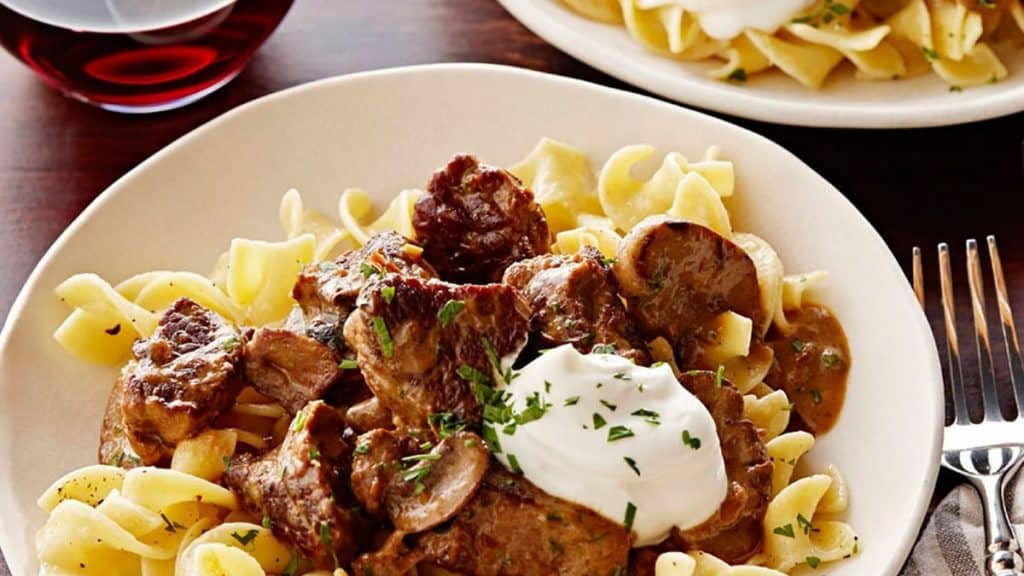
[89, 485]
[296, 220]
[355, 207]
[205, 456]
[769, 413]
[562, 183]
[606, 240]
[704, 564]
[257, 542]
[734, 334]
[769, 276]
[792, 534]
[159, 488]
[807, 63]
[261, 275]
[785, 451]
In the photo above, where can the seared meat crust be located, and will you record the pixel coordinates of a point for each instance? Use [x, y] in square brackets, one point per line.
[575, 300]
[475, 220]
[115, 449]
[291, 368]
[421, 346]
[512, 527]
[180, 380]
[327, 291]
[300, 486]
[734, 532]
[677, 276]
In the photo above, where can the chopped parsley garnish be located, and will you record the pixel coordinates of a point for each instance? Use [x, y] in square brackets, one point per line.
[325, 539]
[603, 349]
[314, 453]
[930, 53]
[470, 374]
[268, 523]
[599, 421]
[492, 357]
[446, 315]
[691, 441]
[490, 436]
[621, 376]
[230, 344]
[513, 464]
[227, 462]
[572, 401]
[813, 561]
[244, 539]
[446, 423]
[619, 432]
[816, 396]
[632, 464]
[362, 447]
[786, 531]
[168, 525]
[798, 345]
[368, 269]
[803, 523]
[300, 421]
[649, 416]
[608, 261]
[387, 345]
[349, 364]
[627, 522]
[421, 458]
[293, 565]
[830, 359]
[955, 88]
[547, 387]
[608, 405]
[388, 293]
[416, 474]
[535, 409]
[738, 75]
[719, 375]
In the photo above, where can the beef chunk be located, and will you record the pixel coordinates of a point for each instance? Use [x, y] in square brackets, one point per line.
[327, 291]
[394, 478]
[512, 527]
[575, 300]
[368, 415]
[677, 276]
[180, 380]
[115, 449]
[422, 344]
[300, 486]
[288, 367]
[475, 220]
[734, 532]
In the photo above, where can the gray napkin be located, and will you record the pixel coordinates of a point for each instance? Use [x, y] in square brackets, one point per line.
[953, 541]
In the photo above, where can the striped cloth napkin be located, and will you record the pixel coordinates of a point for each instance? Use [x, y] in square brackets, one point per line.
[953, 541]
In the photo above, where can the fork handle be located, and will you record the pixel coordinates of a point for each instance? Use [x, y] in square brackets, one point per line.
[1002, 550]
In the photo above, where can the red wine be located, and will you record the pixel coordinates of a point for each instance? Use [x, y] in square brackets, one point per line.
[137, 56]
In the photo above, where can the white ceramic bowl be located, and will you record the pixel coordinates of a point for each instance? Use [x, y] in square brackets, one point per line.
[389, 130]
[843, 102]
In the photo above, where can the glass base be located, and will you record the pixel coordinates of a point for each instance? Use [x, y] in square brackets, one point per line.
[153, 108]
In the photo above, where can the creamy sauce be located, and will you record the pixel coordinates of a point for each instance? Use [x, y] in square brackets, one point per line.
[812, 361]
[616, 436]
[725, 19]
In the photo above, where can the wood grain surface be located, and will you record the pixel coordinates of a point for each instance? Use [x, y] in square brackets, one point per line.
[918, 187]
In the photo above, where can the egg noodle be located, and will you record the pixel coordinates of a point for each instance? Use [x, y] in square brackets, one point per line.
[104, 520]
[882, 39]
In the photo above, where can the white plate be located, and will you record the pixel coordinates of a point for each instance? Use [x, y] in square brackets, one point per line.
[389, 130]
[843, 102]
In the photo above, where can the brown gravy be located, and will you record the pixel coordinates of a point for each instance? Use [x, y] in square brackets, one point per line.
[812, 360]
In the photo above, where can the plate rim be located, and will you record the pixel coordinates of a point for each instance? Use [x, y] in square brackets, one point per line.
[751, 104]
[919, 510]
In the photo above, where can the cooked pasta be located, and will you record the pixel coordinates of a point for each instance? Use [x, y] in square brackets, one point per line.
[181, 520]
[881, 39]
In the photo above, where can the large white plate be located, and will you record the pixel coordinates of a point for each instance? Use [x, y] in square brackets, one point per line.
[843, 102]
[389, 130]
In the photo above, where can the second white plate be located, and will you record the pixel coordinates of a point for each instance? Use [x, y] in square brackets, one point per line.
[843, 102]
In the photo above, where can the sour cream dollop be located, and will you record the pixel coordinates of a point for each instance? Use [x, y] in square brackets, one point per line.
[725, 19]
[615, 437]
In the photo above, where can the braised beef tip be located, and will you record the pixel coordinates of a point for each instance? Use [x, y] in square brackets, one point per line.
[422, 344]
[327, 291]
[290, 368]
[678, 276]
[368, 415]
[513, 527]
[733, 533]
[180, 379]
[417, 487]
[575, 300]
[300, 486]
[115, 449]
[475, 220]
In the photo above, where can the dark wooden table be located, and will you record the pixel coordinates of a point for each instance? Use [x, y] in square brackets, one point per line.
[918, 187]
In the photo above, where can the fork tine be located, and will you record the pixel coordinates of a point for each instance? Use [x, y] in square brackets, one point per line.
[976, 283]
[956, 377]
[918, 277]
[1009, 330]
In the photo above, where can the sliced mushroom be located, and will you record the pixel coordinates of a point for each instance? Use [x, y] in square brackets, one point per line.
[678, 276]
[289, 367]
[368, 415]
[417, 490]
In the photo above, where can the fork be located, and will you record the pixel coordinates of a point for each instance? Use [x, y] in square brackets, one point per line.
[987, 453]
